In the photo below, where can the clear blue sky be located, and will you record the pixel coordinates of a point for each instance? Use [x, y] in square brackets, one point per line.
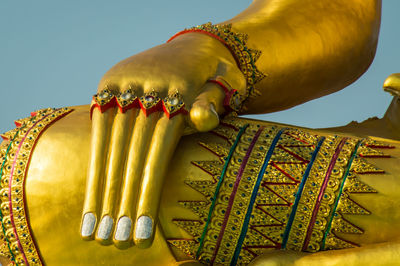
[53, 53]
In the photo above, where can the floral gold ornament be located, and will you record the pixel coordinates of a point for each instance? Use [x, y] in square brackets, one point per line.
[103, 100]
[127, 100]
[236, 43]
[20, 245]
[150, 102]
[173, 105]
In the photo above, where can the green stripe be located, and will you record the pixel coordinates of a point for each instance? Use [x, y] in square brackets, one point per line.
[1, 177]
[254, 196]
[339, 195]
[299, 193]
[242, 129]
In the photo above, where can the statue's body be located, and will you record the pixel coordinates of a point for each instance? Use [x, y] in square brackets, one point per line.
[263, 190]
[55, 217]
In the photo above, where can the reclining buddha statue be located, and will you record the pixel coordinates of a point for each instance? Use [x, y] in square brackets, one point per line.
[160, 170]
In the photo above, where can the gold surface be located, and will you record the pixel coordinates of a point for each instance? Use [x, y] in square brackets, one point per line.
[68, 199]
[55, 196]
[318, 223]
[308, 50]
[305, 49]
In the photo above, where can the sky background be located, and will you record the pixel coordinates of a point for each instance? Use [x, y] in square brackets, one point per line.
[53, 53]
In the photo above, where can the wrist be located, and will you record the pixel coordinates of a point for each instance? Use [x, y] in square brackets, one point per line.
[206, 44]
[235, 43]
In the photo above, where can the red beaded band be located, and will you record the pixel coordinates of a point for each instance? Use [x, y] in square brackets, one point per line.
[233, 100]
[102, 108]
[229, 93]
[209, 34]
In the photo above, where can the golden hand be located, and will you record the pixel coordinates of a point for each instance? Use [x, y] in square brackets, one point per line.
[132, 148]
[302, 45]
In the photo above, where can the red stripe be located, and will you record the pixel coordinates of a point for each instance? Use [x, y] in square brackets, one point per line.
[134, 104]
[211, 35]
[233, 194]
[285, 173]
[182, 110]
[10, 185]
[322, 191]
[26, 168]
[294, 154]
[112, 103]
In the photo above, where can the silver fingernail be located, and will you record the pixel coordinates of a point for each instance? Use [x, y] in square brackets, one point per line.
[89, 221]
[144, 227]
[123, 229]
[105, 227]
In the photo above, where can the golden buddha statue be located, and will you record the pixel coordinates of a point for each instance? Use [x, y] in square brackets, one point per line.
[174, 178]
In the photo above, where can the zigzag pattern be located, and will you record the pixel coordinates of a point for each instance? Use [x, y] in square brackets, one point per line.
[276, 194]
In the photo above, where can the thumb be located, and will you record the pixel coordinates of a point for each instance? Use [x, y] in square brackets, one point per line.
[205, 111]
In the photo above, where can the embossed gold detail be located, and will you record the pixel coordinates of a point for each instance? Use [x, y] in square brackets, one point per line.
[15, 160]
[104, 97]
[345, 204]
[226, 133]
[361, 166]
[276, 195]
[9, 134]
[173, 104]
[150, 102]
[103, 101]
[218, 149]
[315, 233]
[127, 100]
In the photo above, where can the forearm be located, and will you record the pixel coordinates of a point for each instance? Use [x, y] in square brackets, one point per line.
[309, 48]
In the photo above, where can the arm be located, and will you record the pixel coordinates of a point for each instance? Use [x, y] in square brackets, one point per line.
[309, 48]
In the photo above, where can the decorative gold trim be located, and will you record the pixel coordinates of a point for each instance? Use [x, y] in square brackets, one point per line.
[337, 163]
[15, 163]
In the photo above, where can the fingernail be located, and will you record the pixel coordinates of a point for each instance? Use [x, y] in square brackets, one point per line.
[123, 229]
[89, 221]
[105, 227]
[212, 108]
[144, 227]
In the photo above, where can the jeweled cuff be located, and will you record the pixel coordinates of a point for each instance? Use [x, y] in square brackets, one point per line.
[173, 105]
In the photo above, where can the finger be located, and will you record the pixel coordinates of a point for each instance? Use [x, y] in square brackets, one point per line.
[101, 127]
[121, 132]
[165, 138]
[138, 147]
[206, 109]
